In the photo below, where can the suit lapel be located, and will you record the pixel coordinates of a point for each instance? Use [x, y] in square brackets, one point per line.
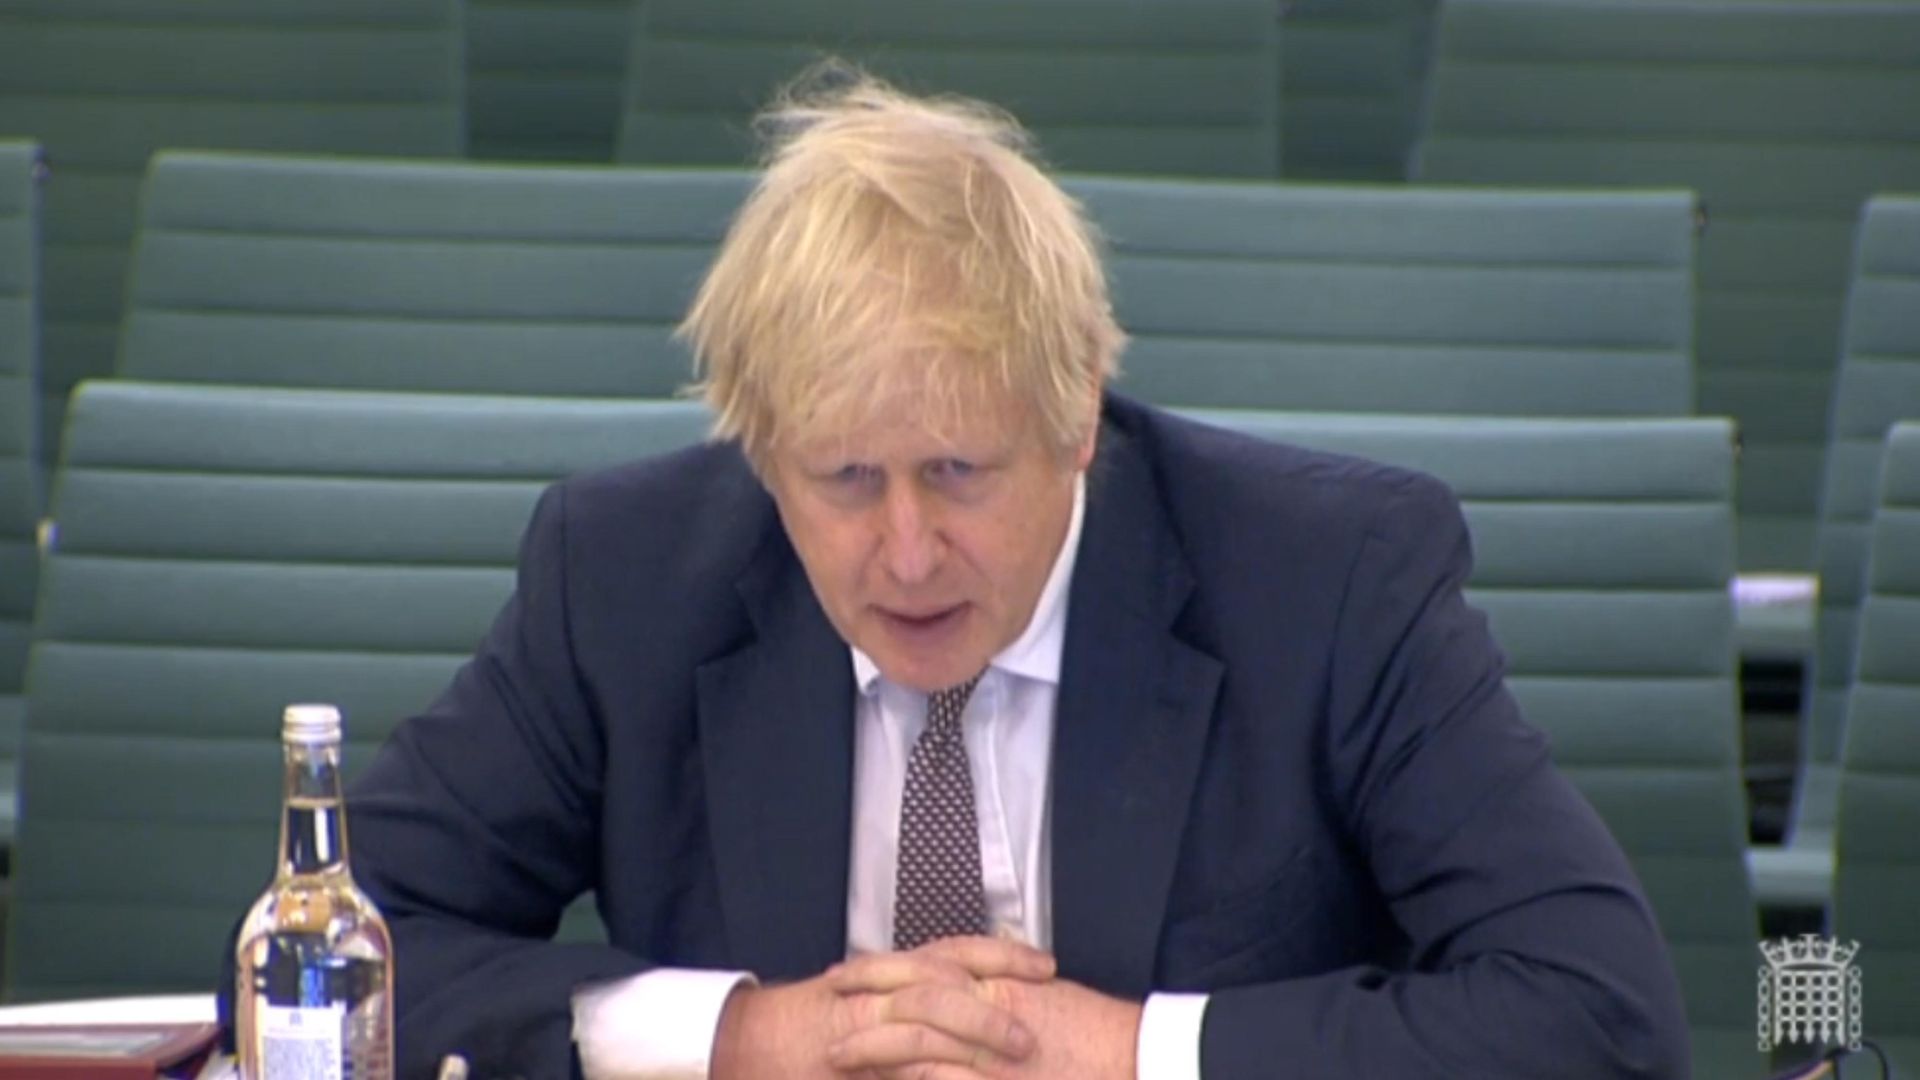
[776, 735]
[1130, 730]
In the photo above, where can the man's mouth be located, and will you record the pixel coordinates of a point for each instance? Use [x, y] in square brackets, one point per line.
[923, 621]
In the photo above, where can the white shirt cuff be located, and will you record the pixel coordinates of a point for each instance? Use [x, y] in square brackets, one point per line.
[1169, 1044]
[658, 1025]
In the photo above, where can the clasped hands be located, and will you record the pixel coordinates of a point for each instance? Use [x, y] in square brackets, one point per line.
[968, 1008]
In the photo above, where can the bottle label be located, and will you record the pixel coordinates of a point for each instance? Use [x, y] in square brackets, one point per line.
[303, 1042]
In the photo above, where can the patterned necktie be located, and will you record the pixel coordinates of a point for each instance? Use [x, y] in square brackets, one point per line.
[938, 893]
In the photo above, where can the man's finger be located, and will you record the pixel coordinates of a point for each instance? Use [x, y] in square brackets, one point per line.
[884, 973]
[962, 1014]
[994, 958]
[909, 1050]
[944, 960]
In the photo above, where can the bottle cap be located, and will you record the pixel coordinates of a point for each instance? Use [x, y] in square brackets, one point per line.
[310, 724]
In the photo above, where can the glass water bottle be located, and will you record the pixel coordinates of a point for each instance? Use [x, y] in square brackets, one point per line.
[315, 961]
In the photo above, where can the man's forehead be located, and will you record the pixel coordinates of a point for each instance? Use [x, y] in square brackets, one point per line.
[925, 428]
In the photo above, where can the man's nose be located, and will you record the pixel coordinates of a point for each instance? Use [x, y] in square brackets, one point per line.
[910, 536]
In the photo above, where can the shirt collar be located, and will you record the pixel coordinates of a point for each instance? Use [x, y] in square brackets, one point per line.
[1035, 654]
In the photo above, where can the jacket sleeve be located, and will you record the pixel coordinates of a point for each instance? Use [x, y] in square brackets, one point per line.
[1533, 952]
[474, 827]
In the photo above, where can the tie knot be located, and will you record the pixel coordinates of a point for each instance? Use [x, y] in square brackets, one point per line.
[944, 707]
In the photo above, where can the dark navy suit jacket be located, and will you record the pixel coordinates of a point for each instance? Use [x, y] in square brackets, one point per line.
[1286, 770]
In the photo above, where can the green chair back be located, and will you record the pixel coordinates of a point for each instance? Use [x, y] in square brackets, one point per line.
[1878, 386]
[1878, 872]
[495, 279]
[458, 277]
[104, 83]
[543, 78]
[1353, 80]
[1784, 116]
[419, 276]
[223, 552]
[1394, 299]
[1133, 86]
[1603, 553]
[20, 468]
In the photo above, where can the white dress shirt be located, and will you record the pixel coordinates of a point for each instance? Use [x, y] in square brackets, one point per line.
[660, 1025]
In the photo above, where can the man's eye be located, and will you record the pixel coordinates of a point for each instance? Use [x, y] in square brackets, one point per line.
[953, 469]
[852, 475]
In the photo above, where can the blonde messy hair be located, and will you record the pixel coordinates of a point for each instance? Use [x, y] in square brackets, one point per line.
[899, 246]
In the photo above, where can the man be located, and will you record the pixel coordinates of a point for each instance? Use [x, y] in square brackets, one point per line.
[949, 716]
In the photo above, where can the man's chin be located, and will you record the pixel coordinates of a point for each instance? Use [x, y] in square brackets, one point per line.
[927, 673]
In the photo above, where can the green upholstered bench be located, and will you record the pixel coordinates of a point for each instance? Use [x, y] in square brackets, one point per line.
[222, 552]
[1353, 78]
[498, 279]
[102, 84]
[21, 465]
[1387, 299]
[1603, 551]
[1878, 386]
[1784, 116]
[1878, 835]
[1136, 87]
[352, 546]
[543, 78]
[424, 276]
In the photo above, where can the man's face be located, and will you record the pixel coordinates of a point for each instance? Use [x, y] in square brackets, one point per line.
[927, 552]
